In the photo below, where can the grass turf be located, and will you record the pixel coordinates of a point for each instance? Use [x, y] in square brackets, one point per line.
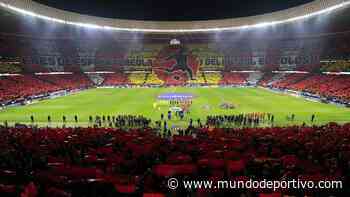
[140, 101]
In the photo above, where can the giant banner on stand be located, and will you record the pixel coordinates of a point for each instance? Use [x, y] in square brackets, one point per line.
[93, 55]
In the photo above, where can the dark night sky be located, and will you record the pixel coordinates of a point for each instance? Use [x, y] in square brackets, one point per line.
[173, 10]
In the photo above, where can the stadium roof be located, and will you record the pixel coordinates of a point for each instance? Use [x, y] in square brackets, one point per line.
[179, 10]
[315, 8]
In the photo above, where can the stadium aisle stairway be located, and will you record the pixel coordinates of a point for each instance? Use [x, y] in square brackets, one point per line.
[270, 78]
[254, 77]
[96, 79]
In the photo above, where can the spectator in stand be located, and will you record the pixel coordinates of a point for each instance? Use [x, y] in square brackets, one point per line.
[22, 87]
[333, 87]
[82, 161]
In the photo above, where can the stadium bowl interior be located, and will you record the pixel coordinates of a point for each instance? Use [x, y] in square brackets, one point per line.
[93, 106]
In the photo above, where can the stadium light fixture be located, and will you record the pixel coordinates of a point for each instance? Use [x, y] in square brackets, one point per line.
[212, 71]
[29, 13]
[54, 73]
[336, 73]
[245, 71]
[9, 74]
[100, 72]
[290, 72]
[209, 29]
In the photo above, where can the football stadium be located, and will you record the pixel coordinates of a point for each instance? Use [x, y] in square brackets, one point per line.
[251, 105]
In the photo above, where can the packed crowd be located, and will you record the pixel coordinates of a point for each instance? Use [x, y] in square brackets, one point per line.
[334, 87]
[199, 80]
[115, 79]
[19, 87]
[137, 78]
[153, 79]
[111, 162]
[234, 78]
[266, 79]
[213, 78]
[67, 82]
[177, 80]
[27, 85]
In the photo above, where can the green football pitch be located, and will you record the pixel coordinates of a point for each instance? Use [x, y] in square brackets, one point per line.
[206, 102]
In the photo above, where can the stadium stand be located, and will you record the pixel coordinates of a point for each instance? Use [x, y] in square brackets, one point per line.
[175, 81]
[116, 79]
[336, 66]
[213, 78]
[96, 78]
[27, 85]
[334, 87]
[137, 78]
[152, 79]
[10, 68]
[67, 81]
[200, 79]
[19, 87]
[96, 161]
[254, 77]
[289, 80]
[330, 86]
[93, 161]
[234, 78]
[266, 79]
